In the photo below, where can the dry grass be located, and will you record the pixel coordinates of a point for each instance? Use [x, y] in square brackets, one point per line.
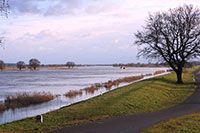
[169, 70]
[91, 89]
[25, 99]
[108, 84]
[149, 74]
[73, 93]
[159, 72]
[98, 85]
[2, 107]
[11, 68]
[130, 79]
[116, 82]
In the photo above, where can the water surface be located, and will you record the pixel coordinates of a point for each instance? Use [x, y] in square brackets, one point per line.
[58, 82]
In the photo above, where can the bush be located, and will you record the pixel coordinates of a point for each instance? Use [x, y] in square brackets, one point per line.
[159, 72]
[73, 93]
[2, 65]
[2, 107]
[25, 99]
[34, 63]
[20, 65]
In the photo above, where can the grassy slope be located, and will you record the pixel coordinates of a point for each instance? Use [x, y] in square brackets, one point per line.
[149, 95]
[187, 123]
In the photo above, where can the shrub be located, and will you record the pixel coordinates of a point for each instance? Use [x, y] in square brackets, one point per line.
[73, 93]
[2, 107]
[70, 64]
[91, 89]
[2, 65]
[159, 72]
[108, 84]
[34, 63]
[25, 99]
[149, 74]
[169, 70]
[116, 82]
[130, 79]
[20, 65]
[98, 85]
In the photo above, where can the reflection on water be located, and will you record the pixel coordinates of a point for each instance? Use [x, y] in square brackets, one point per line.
[59, 82]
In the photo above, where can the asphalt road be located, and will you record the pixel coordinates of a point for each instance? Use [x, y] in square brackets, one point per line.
[137, 122]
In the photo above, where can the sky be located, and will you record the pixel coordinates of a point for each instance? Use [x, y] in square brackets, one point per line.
[82, 31]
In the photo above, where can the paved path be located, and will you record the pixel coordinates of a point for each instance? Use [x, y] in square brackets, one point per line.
[137, 122]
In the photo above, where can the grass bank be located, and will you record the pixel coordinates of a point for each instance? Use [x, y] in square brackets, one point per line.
[145, 96]
[187, 124]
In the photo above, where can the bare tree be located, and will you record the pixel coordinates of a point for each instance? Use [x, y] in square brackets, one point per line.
[20, 65]
[34, 63]
[172, 36]
[4, 6]
[2, 65]
[70, 64]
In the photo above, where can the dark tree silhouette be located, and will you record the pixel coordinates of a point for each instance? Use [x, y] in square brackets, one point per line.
[2, 65]
[70, 64]
[4, 6]
[20, 65]
[172, 36]
[34, 63]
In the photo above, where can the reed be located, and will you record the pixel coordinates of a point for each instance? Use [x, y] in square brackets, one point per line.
[116, 82]
[149, 74]
[25, 99]
[91, 89]
[98, 85]
[73, 93]
[130, 79]
[169, 70]
[108, 84]
[2, 107]
[159, 72]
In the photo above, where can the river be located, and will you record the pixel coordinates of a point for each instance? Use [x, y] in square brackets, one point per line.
[58, 82]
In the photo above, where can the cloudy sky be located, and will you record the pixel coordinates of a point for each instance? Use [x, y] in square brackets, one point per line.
[83, 31]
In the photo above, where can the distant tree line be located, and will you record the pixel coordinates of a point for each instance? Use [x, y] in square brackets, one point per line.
[163, 64]
[34, 64]
[140, 65]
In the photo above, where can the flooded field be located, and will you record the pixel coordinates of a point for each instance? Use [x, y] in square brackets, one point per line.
[59, 82]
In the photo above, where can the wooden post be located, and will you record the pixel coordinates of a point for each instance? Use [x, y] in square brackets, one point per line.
[39, 118]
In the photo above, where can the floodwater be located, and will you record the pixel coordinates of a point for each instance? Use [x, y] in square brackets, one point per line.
[58, 82]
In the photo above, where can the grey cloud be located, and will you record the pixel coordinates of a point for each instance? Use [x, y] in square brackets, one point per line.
[45, 7]
[64, 7]
[96, 9]
[40, 35]
[24, 6]
[55, 7]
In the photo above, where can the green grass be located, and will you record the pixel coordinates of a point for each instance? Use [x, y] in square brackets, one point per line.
[145, 96]
[187, 123]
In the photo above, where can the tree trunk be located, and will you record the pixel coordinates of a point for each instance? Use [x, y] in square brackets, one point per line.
[179, 76]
